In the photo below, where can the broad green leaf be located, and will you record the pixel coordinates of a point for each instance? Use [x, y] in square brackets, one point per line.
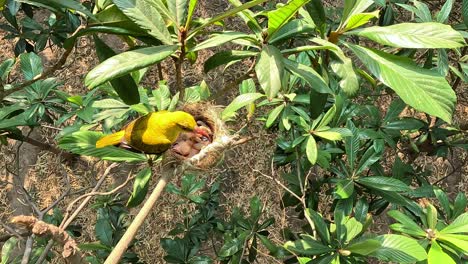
[352, 7]
[328, 134]
[219, 39]
[225, 15]
[162, 97]
[406, 123]
[399, 248]
[342, 66]
[459, 225]
[146, 15]
[320, 225]
[248, 17]
[108, 104]
[384, 183]
[84, 143]
[316, 13]
[269, 70]
[344, 189]
[459, 242]
[104, 231]
[353, 228]
[125, 86]
[425, 90]
[227, 56]
[459, 204]
[140, 188]
[307, 246]
[444, 12]
[57, 5]
[407, 222]
[126, 62]
[230, 247]
[429, 35]
[311, 150]
[291, 29]
[31, 65]
[364, 247]
[328, 117]
[360, 19]
[274, 115]
[314, 79]
[178, 8]
[5, 68]
[279, 17]
[437, 255]
[8, 248]
[444, 201]
[239, 102]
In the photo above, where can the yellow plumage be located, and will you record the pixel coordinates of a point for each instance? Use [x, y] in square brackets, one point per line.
[153, 133]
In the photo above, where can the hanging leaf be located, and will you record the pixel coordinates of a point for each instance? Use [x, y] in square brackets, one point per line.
[239, 102]
[429, 35]
[425, 90]
[277, 18]
[311, 150]
[269, 70]
[140, 188]
[127, 62]
[145, 14]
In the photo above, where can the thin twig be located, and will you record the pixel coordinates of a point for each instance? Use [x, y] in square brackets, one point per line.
[27, 250]
[11, 231]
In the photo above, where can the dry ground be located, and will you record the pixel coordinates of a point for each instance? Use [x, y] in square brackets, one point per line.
[42, 173]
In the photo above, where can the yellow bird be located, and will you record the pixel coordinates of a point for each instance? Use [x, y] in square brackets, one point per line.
[153, 133]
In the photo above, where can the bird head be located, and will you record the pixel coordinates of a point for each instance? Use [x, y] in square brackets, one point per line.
[184, 120]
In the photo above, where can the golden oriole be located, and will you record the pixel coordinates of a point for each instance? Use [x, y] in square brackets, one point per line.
[153, 133]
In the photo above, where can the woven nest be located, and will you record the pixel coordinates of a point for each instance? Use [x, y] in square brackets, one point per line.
[201, 151]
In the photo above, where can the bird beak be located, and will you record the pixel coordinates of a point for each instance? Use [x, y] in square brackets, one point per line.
[200, 131]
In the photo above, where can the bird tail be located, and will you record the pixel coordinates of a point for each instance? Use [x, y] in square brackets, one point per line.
[110, 140]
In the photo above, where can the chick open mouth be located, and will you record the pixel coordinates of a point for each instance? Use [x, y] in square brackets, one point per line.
[189, 144]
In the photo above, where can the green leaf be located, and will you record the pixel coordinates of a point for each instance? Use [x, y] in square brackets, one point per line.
[353, 228]
[342, 66]
[443, 14]
[104, 231]
[225, 57]
[191, 10]
[108, 104]
[224, 15]
[146, 15]
[459, 204]
[429, 35]
[307, 246]
[178, 9]
[459, 225]
[311, 150]
[399, 248]
[221, 38]
[352, 144]
[406, 123]
[125, 86]
[8, 248]
[56, 5]
[277, 18]
[315, 81]
[274, 115]
[425, 90]
[410, 226]
[344, 189]
[360, 19]
[459, 242]
[384, 183]
[126, 62]
[230, 247]
[84, 143]
[465, 12]
[31, 65]
[320, 225]
[437, 255]
[328, 134]
[239, 102]
[140, 188]
[352, 7]
[162, 97]
[291, 29]
[316, 13]
[5, 68]
[364, 247]
[269, 70]
[328, 117]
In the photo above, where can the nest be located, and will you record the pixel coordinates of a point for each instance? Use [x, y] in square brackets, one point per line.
[201, 151]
